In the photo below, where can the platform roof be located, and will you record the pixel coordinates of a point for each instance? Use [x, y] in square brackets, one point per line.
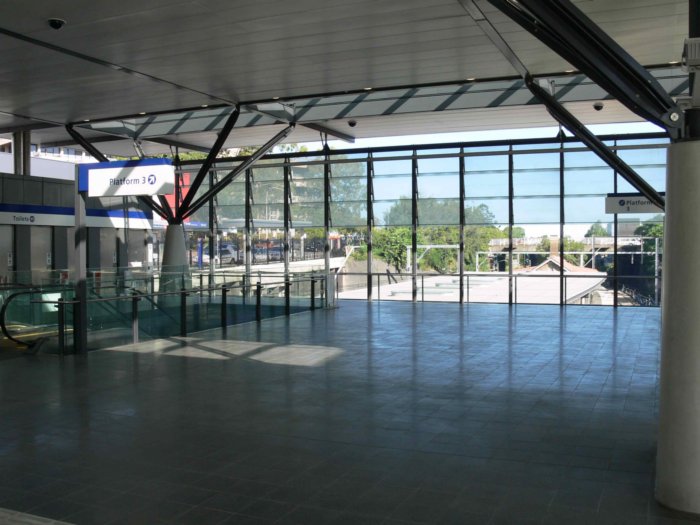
[167, 72]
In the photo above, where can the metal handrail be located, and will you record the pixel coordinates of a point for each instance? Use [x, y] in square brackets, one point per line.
[136, 296]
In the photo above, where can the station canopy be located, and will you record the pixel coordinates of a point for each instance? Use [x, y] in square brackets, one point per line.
[168, 73]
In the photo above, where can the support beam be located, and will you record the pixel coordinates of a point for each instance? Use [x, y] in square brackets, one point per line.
[566, 30]
[208, 162]
[330, 131]
[92, 150]
[571, 123]
[85, 144]
[558, 111]
[247, 163]
[177, 144]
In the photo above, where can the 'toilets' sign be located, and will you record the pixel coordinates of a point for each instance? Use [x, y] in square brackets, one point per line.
[630, 203]
[122, 178]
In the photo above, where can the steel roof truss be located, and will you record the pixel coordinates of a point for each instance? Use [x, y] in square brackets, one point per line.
[570, 33]
[247, 163]
[558, 111]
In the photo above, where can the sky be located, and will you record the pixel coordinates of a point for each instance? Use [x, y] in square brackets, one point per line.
[468, 136]
[573, 230]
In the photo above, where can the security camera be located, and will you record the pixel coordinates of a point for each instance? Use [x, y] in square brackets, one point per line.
[56, 23]
[352, 123]
[598, 106]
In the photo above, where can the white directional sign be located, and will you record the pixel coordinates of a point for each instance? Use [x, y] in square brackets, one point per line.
[629, 203]
[116, 179]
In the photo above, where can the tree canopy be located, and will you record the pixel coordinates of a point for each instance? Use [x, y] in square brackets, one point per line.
[597, 230]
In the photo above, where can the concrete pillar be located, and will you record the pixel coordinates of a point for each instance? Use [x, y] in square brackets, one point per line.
[175, 266]
[21, 151]
[678, 455]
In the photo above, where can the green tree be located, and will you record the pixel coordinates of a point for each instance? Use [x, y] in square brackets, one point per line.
[435, 216]
[390, 245]
[597, 230]
[518, 232]
[652, 228]
[570, 245]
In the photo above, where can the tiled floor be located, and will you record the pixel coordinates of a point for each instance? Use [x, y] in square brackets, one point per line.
[371, 413]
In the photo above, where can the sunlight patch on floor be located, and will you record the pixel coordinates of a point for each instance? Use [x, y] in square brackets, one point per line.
[297, 355]
[222, 349]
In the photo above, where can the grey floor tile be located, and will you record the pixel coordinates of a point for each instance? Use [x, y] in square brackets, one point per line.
[431, 413]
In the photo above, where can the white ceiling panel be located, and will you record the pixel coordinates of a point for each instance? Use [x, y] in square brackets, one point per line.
[117, 59]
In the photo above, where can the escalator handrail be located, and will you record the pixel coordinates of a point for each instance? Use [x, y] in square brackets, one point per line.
[3, 311]
[9, 299]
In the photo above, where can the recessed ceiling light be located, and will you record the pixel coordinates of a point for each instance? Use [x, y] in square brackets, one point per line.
[275, 98]
[471, 79]
[142, 112]
[674, 62]
[86, 120]
[205, 105]
[569, 70]
[368, 89]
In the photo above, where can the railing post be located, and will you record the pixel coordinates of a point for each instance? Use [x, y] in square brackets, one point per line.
[313, 293]
[245, 288]
[379, 287]
[323, 293]
[224, 321]
[287, 286]
[61, 327]
[183, 313]
[258, 299]
[422, 288]
[135, 318]
[467, 288]
[153, 291]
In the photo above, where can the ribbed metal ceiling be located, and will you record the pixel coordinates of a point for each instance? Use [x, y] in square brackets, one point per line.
[115, 59]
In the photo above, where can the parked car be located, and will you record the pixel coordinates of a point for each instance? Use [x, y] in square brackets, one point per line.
[229, 254]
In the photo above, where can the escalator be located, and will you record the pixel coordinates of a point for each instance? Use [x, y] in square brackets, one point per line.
[29, 317]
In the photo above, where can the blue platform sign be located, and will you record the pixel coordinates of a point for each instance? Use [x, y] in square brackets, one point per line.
[122, 178]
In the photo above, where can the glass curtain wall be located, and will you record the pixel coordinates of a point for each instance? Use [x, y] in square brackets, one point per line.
[438, 234]
[486, 222]
[640, 236]
[537, 266]
[392, 237]
[520, 222]
[588, 243]
[307, 210]
[348, 218]
[267, 186]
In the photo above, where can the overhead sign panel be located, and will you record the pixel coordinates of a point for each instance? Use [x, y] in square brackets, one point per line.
[122, 178]
[630, 203]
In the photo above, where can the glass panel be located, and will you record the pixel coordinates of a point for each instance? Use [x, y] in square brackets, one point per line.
[640, 258]
[390, 257]
[439, 212]
[352, 279]
[486, 176]
[438, 178]
[486, 211]
[393, 213]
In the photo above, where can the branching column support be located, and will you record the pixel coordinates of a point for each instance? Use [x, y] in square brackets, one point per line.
[669, 118]
[165, 212]
[209, 161]
[187, 210]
